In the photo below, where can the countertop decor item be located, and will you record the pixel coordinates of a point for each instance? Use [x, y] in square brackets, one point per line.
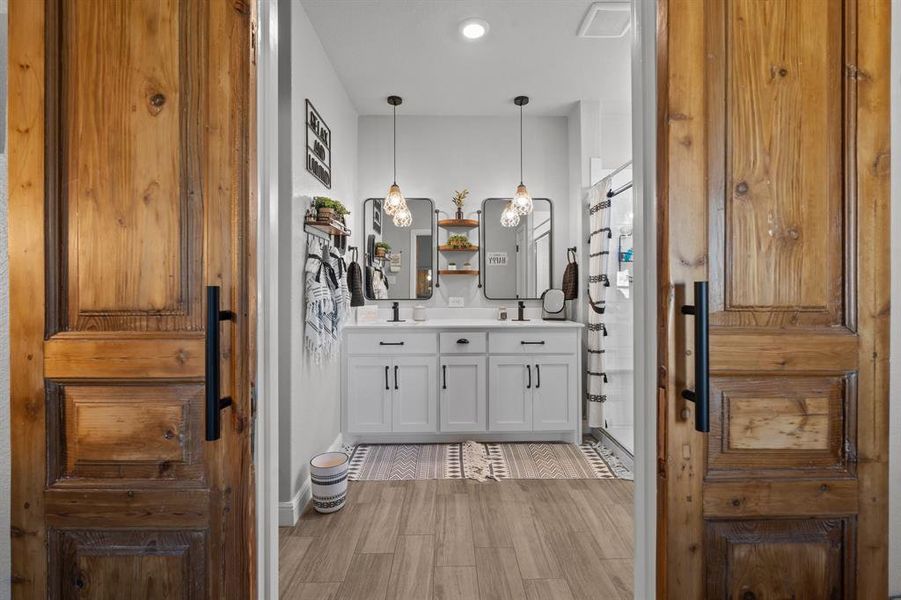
[328, 476]
[419, 313]
[502, 313]
[553, 303]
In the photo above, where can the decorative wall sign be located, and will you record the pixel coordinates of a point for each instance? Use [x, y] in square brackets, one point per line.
[496, 259]
[319, 147]
[377, 216]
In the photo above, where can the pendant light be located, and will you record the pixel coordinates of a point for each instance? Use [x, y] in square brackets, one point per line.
[394, 201]
[522, 200]
[509, 216]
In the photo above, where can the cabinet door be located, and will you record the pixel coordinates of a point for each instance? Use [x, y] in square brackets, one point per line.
[463, 393]
[553, 393]
[415, 390]
[510, 395]
[370, 381]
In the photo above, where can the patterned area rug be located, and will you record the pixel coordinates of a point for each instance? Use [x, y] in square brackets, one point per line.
[473, 460]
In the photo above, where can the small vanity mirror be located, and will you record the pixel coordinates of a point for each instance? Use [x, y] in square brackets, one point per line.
[517, 259]
[398, 261]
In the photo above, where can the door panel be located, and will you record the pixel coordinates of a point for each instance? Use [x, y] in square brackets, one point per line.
[369, 384]
[510, 398]
[773, 180]
[415, 394]
[464, 393]
[130, 136]
[552, 408]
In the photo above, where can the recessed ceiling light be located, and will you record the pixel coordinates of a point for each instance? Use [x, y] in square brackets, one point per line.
[473, 29]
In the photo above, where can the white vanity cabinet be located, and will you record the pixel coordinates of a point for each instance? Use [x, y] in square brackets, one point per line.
[456, 380]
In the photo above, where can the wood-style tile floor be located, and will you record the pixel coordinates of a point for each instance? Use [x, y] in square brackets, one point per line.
[448, 539]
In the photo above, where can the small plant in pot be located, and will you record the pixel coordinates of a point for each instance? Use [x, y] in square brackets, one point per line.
[329, 210]
[458, 241]
[459, 200]
[381, 249]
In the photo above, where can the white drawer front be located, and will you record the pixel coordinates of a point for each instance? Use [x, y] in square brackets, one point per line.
[392, 343]
[464, 342]
[532, 342]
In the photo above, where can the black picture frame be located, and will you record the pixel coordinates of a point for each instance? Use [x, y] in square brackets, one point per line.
[377, 216]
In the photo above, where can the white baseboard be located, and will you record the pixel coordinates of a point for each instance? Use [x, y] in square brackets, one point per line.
[289, 512]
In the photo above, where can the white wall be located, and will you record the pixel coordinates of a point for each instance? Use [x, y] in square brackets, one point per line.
[308, 405]
[438, 155]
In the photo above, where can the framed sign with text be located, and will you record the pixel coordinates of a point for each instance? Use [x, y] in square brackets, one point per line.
[319, 146]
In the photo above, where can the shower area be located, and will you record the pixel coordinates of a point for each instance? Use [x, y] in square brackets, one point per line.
[608, 314]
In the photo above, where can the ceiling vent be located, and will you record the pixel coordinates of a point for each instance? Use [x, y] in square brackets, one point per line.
[606, 20]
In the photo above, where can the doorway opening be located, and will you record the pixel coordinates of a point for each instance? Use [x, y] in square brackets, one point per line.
[456, 130]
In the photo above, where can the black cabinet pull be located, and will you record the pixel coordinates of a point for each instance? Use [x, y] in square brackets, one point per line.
[701, 394]
[391, 343]
[537, 377]
[395, 378]
[387, 387]
[462, 341]
[529, 369]
[525, 343]
[443, 377]
[214, 403]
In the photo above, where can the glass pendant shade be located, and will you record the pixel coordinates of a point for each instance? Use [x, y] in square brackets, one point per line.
[510, 216]
[403, 217]
[522, 201]
[394, 201]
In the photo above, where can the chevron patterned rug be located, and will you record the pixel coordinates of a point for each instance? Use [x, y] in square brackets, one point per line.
[383, 462]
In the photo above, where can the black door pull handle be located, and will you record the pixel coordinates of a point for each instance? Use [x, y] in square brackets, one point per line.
[395, 378]
[391, 343]
[214, 402]
[701, 394]
[387, 387]
[462, 341]
[443, 377]
[537, 377]
[524, 343]
[529, 369]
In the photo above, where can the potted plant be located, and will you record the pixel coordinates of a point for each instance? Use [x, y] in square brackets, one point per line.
[329, 210]
[458, 241]
[459, 200]
[381, 249]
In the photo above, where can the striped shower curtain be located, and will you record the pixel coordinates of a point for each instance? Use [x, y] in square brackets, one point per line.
[598, 282]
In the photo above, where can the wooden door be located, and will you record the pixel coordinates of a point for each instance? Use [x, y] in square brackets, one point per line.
[464, 393]
[415, 394]
[129, 131]
[774, 186]
[552, 393]
[510, 394]
[369, 385]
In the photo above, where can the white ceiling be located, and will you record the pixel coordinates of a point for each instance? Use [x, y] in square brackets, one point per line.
[413, 48]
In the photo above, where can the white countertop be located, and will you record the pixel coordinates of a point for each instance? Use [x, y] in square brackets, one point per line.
[465, 324]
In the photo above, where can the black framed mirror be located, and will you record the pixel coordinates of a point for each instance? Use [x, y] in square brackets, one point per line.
[517, 260]
[398, 263]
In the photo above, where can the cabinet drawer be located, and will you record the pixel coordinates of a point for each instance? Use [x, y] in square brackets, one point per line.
[464, 342]
[392, 343]
[532, 342]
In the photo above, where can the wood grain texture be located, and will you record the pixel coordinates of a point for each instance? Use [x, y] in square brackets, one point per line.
[773, 186]
[320, 546]
[128, 157]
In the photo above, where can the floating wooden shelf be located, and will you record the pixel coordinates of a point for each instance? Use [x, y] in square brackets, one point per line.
[462, 223]
[458, 272]
[451, 249]
[328, 227]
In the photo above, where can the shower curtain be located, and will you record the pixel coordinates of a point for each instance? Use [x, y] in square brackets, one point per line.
[598, 255]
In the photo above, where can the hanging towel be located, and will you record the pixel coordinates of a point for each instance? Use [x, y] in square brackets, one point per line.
[320, 324]
[341, 292]
[355, 282]
[571, 276]
[598, 282]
